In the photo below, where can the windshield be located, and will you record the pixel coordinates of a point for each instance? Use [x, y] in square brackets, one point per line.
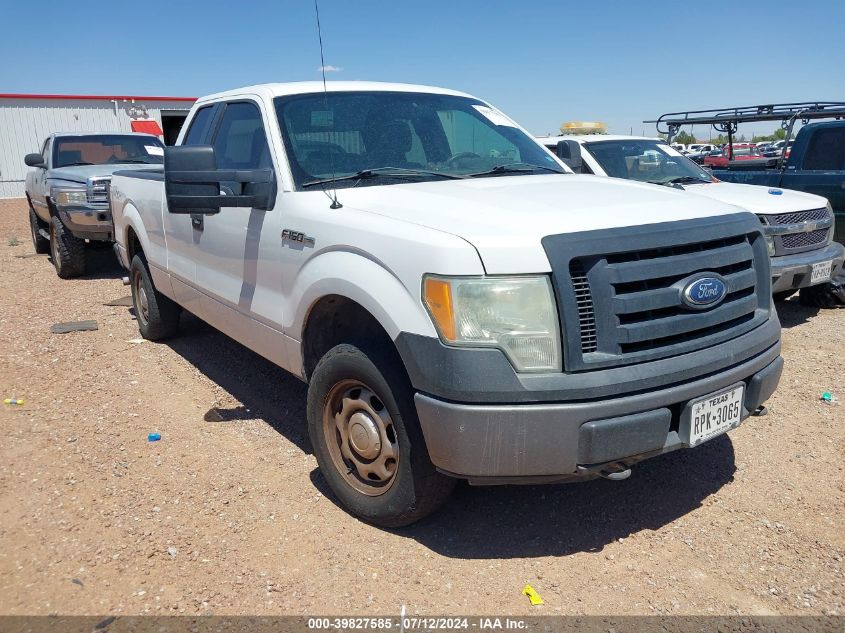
[394, 137]
[646, 161]
[107, 149]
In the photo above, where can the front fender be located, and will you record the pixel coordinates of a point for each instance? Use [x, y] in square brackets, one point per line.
[365, 281]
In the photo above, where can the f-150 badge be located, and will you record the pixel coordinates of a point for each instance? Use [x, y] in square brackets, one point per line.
[289, 235]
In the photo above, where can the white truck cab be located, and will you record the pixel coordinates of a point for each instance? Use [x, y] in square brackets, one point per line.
[799, 226]
[460, 305]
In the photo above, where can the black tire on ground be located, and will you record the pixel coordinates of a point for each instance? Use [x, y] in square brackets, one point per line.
[784, 295]
[41, 243]
[818, 296]
[157, 315]
[375, 387]
[68, 252]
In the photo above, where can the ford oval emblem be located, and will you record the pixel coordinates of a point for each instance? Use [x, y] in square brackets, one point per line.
[704, 292]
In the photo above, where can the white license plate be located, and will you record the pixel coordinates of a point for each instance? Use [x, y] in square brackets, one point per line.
[714, 414]
[821, 272]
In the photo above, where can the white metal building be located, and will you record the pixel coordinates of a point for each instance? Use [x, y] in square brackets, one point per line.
[27, 119]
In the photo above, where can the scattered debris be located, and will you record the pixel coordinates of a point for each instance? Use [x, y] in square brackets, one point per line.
[123, 301]
[136, 341]
[172, 551]
[213, 415]
[74, 326]
[31, 255]
[102, 625]
[533, 596]
[153, 437]
[12, 401]
[76, 581]
[829, 398]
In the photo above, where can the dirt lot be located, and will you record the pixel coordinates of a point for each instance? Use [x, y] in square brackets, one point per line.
[228, 513]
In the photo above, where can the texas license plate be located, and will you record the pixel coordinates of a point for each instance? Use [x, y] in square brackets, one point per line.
[821, 272]
[713, 415]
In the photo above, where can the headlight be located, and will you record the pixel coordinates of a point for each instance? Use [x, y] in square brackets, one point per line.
[515, 314]
[69, 197]
[770, 244]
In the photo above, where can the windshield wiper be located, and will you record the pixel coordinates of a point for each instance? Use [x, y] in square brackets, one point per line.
[514, 168]
[386, 172]
[76, 164]
[677, 181]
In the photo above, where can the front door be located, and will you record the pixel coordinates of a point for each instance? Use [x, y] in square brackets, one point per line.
[236, 251]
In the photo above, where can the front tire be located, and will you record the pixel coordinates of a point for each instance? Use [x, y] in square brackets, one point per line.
[367, 438]
[157, 315]
[819, 296]
[41, 243]
[68, 252]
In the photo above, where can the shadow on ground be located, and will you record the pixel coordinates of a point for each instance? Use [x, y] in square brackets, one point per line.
[558, 520]
[478, 522]
[791, 313]
[265, 390]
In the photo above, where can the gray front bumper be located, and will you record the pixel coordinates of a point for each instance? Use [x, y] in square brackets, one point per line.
[88, 223]
[793, 271]
[521, 442]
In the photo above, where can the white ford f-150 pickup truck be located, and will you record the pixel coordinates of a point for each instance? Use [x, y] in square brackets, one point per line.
[460, 305]
[798, 226]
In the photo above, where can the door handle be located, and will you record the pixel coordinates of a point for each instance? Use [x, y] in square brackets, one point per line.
[198, 221]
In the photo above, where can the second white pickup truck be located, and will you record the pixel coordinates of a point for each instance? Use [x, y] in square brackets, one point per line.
[799, 226]
[459, 304]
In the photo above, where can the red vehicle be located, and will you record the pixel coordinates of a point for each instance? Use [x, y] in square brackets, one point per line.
[741, 151]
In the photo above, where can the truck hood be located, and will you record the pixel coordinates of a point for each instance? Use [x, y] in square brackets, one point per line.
[505, 217]
[81, 173]
[757, 199]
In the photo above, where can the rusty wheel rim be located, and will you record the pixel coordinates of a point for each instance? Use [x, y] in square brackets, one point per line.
[361, 437]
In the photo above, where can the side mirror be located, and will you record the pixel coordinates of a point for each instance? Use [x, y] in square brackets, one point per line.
[192, 183]
[570, 153]
[34, 160]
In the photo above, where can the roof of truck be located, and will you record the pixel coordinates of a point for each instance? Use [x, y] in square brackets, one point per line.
[308, 87]
[593, 138]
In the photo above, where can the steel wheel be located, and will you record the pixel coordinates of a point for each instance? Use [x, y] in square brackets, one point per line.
[361, 438]
[142, 301]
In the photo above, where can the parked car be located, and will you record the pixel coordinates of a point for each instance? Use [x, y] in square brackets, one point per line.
[460, 305]
[788, 216]
[67, 191]
[816, 164]
[740, 151]
[701, 150]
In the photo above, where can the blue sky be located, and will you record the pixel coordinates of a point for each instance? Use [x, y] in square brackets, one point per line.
[541, 62]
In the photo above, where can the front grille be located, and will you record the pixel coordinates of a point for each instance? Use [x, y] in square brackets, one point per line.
[802, 240]
[798, 216]
[98, 190]
[620, 290]
[584, 299]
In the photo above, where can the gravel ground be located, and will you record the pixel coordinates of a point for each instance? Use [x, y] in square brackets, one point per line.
[228, 513]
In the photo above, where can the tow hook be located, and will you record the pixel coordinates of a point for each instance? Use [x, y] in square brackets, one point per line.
[760, 411]
[125, 280]
[617, 475]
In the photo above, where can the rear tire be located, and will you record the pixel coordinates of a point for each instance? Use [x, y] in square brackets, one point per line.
[368, 440]
[157, 315]
[41, 243]
[68, 252]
